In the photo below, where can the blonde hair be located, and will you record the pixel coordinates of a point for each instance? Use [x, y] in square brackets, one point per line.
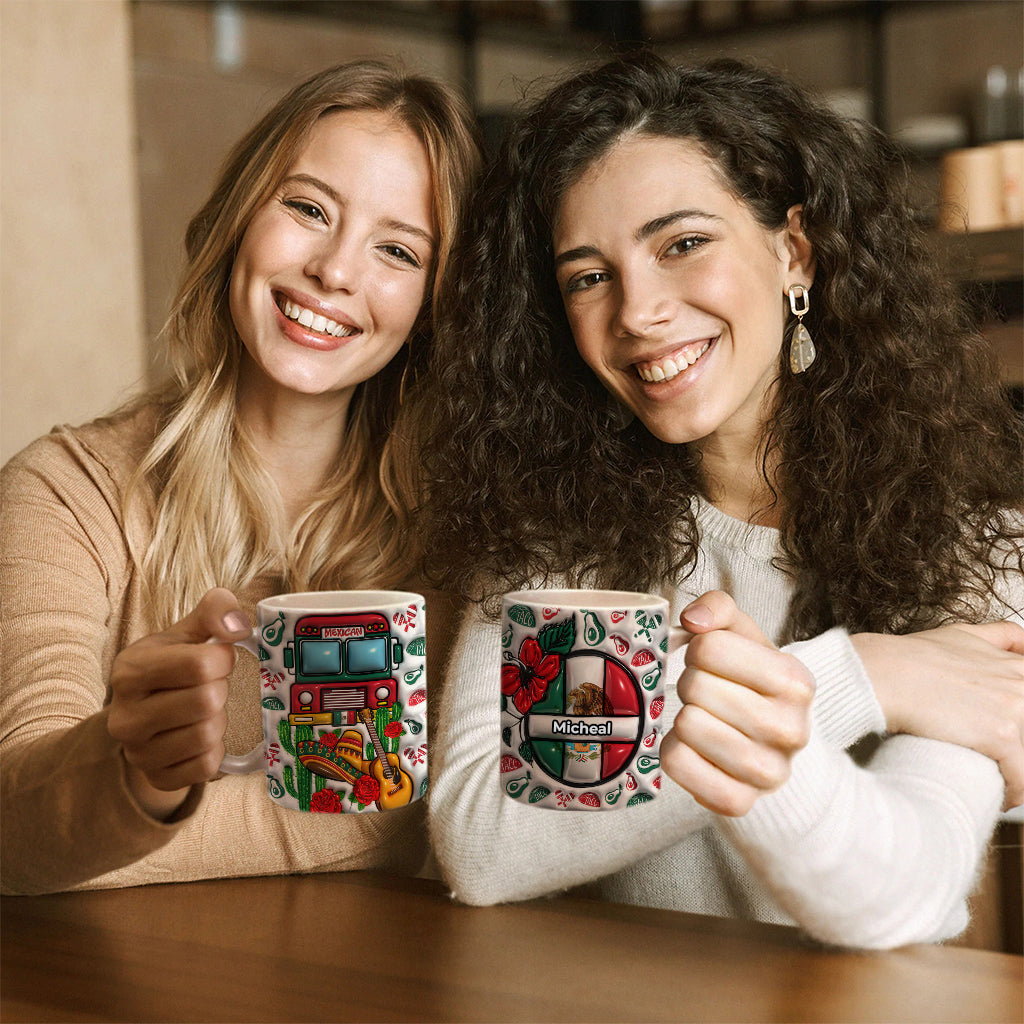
[217, 518]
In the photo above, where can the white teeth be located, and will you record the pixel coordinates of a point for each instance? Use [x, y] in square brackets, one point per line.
[314, 321]
[667, 368]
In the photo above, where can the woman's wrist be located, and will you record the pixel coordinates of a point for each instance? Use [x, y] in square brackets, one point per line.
[157, 803]
[886, 681]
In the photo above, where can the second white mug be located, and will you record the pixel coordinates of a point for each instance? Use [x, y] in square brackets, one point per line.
[582, 693]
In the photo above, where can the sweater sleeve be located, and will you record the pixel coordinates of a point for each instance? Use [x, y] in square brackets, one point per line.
[493, 849]
[879, 856]
[67, 812]
[885, 854]
[845, 707]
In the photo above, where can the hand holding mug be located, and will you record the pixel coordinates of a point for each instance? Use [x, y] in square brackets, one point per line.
[746, 710]
[168, 693]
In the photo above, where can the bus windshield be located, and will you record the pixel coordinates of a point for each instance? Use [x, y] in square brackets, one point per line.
[320, 657]
[367, 655]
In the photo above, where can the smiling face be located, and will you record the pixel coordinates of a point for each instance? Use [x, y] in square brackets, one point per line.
[332, 270]
[673, 290]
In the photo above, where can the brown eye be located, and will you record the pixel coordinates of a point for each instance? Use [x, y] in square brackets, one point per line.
[683, 246]
[308, 210]
[586, 281]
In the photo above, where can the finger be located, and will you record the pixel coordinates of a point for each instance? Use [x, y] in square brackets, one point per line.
[203, 767]
[1007, 636]
[717, 610]
[749, 663]
[782, 724]
[756, 765]
[218, 616]
[704, 781]
[147, 667]
[200, 740]
[137, 722]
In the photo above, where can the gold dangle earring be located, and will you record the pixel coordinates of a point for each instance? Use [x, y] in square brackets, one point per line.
[801, 349]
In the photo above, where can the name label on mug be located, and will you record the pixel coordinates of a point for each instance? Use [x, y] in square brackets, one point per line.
[623, 729]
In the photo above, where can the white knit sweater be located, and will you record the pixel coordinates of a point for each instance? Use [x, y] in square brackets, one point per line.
[874, 856]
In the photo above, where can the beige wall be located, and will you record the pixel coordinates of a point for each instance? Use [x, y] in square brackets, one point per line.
[71, 341]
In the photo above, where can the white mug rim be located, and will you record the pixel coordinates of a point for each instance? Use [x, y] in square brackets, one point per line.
[585, 599]
[339, 600]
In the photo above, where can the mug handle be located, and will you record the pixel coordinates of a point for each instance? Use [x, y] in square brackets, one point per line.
[242, 764]
[677, 637]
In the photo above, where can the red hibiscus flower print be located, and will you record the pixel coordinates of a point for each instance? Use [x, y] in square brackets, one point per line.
[526, 679]
[325, 801]
[393, 729]
[366, 789]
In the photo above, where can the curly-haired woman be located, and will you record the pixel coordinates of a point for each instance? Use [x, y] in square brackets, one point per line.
[278, 458]
[700, 347]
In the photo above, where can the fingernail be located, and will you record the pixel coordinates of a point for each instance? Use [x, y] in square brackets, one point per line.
[699, 615]
[236, 622]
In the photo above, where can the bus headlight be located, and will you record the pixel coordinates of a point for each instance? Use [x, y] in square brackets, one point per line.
[305, 698]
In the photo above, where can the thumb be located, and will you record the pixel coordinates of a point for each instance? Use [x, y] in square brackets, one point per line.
[717, 610]
[218, 616]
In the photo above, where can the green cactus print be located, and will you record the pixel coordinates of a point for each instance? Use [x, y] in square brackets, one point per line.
[382, 718]
[298, 782]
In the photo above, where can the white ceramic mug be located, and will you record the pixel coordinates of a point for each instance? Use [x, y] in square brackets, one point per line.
[344, 687]
[582, 694]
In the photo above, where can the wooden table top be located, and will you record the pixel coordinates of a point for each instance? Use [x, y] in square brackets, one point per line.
[362, 946]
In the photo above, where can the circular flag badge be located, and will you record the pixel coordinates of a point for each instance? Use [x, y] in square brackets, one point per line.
[590, 729]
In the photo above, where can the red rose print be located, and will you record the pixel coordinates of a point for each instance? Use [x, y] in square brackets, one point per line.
[330, 741]
[366, 789]
[393, 729]
[325, 801]
[526, 679]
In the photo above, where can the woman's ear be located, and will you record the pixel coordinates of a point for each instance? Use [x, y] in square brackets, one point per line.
[801, 253]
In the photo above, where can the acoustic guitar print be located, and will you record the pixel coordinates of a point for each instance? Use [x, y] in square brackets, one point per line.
[396, 786]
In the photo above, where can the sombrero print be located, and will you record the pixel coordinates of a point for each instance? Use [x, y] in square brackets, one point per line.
[333, 757]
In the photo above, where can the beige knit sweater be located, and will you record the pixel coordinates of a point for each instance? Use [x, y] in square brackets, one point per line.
[71, 600]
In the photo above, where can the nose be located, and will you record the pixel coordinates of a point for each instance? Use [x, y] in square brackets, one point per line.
[335, 264]
[644, 304]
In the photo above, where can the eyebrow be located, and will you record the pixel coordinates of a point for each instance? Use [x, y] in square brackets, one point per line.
[642, 234]
[652, 227]
[335, 197]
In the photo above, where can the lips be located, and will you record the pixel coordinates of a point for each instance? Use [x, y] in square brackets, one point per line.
[666, 367]
[314, 321]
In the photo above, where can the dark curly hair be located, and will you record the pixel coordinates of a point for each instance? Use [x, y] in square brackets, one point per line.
[899, 457]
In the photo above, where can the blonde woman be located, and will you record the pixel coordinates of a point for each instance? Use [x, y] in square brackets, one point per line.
[277, 458]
